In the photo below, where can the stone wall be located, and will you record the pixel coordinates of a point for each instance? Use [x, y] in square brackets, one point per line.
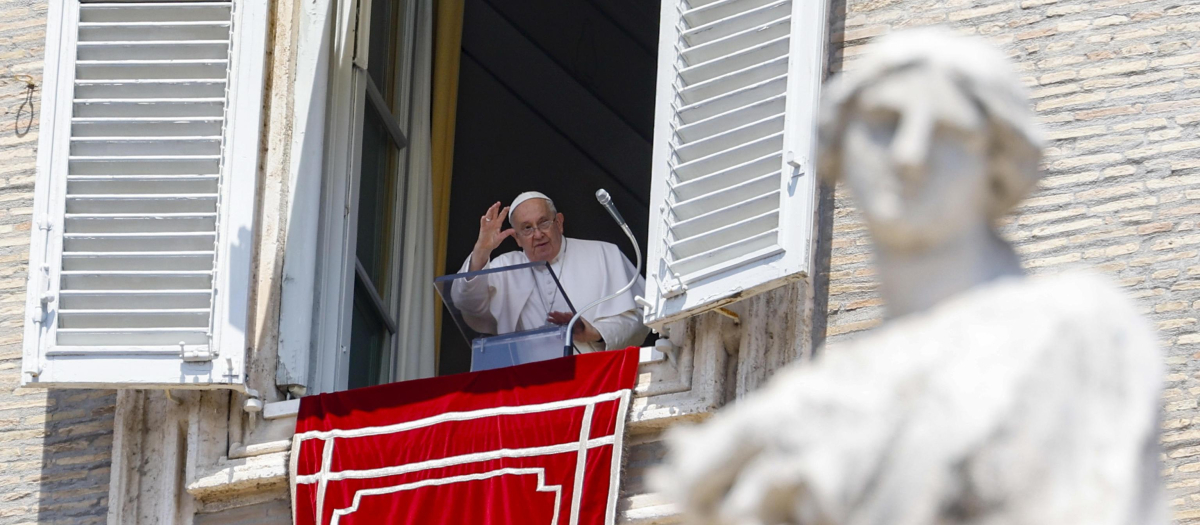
[1117, 85]
[55, 446]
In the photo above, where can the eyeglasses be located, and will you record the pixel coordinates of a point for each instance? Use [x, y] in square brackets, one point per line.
[544, 226]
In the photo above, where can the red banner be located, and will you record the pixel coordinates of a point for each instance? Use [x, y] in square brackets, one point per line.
[526, 445]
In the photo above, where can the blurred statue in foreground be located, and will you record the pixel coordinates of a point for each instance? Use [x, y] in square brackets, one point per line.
[988, 397]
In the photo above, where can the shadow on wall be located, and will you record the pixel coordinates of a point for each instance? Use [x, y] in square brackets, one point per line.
[72, 484]
[825, 202]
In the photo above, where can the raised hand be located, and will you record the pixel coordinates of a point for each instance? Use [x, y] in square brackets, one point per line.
[490, 236]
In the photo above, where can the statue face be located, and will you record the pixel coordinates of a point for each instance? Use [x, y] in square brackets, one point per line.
[915, 156]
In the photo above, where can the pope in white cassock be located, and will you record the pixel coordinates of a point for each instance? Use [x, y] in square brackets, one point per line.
[505, 302]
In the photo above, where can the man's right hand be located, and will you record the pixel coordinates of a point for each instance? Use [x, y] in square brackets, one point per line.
[490, 236]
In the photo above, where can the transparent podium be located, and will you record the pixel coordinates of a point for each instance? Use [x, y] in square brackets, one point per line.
[467, 297]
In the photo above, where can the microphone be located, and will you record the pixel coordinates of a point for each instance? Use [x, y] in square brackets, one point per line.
[606, 201]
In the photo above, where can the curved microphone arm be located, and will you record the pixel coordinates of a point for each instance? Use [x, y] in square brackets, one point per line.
[606, 201]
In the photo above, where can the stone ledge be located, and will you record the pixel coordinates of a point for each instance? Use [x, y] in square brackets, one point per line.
[237, 478]
[646, 509]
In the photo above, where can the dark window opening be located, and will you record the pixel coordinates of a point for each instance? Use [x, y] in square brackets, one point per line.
[555, 96]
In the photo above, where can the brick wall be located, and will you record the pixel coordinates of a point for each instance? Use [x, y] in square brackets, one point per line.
[1117, 85]
[54, 445]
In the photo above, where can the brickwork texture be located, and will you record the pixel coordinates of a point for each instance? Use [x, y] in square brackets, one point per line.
[1117, 85]
[55, 446]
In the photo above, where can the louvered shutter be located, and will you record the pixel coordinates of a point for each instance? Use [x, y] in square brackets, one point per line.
[733, 192]
[141, 249]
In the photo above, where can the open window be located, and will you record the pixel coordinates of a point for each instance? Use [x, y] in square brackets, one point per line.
[555, 96]
[144, 202]
[346, 317]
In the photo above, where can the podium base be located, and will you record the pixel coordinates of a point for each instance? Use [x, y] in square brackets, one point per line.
[518, 348]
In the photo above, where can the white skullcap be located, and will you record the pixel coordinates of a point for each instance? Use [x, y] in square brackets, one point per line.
[524, 197]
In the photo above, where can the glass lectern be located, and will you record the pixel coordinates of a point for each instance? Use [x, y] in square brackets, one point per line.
[469, 298]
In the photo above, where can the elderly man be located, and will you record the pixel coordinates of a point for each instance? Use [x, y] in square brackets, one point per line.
[506, 302]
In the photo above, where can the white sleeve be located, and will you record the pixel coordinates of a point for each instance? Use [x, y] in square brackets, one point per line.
[622, 330]
[473, 297]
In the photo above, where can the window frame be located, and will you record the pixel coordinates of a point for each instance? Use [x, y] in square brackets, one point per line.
[336, 268]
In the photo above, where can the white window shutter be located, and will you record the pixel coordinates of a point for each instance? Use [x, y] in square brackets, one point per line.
[733, 195]
[144, 203]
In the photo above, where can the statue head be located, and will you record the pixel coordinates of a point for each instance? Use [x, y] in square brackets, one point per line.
[933, 135]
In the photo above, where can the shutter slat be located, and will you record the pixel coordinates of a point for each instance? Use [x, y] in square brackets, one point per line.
[740, 98]
[95, 224]
[725, 236]
[142, 178]
[124, 13]
[137, 280]
[106, 299]
[145, 242]
[206, 69]
[141, 203]
[153, 31]
[146, 126]
[118, 147]
[719, 218]
[731, 139]
[763, 166]
[722, 259]
[754, 35]
[98, 261]
[731, 119]
[163, 337]
[146, 166]
[731, 157]
[118, 319]
[150, 108]
[153, 49]
[734, 81]
[757, 54]
[143, 186]
[135, 89]
[727, 26]
[719, 10]
[701, 200]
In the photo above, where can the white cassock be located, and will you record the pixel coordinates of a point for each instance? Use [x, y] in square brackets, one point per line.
[505, 302]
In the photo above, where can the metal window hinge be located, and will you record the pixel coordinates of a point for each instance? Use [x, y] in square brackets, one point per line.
[797, 163]
[196, 353]
[673, 289]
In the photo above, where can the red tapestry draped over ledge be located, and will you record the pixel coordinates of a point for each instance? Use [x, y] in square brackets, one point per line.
[527, 445]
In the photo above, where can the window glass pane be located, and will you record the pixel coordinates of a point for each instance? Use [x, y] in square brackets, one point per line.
[368, 342]
[380, 61]
[376, 200]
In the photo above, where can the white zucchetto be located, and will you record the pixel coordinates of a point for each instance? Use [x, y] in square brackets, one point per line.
[524, 197]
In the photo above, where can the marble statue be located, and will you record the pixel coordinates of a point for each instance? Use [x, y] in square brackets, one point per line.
[988, 397]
